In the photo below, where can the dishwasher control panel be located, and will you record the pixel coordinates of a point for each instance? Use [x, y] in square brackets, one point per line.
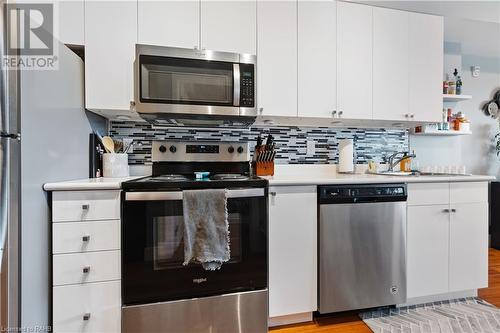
[362, 193]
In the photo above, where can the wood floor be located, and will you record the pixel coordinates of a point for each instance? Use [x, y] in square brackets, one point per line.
[351, 323]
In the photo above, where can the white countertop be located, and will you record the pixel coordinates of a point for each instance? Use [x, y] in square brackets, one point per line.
[286, 175]
[327, 174]
[88, 184]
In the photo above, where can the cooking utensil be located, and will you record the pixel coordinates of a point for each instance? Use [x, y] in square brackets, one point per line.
[118, 145]
[127, 148]
[109, 144]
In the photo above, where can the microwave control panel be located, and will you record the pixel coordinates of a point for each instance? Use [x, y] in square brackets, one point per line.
[247, 85]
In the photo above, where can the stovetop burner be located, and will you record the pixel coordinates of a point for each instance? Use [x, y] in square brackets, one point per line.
[230, 176]
[169, 178]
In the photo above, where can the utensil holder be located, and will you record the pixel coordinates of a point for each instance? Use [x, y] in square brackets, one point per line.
[264, 168]
[115, 165]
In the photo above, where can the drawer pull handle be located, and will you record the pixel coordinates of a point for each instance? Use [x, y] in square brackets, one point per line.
[86, 269]
[85, 207]
[86, 316]
[85, 238]
[446, 210]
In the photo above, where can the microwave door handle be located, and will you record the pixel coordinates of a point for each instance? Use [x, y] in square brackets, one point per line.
[172, 196]
[236, 82]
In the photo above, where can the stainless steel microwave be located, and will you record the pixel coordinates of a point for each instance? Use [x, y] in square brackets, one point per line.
[200, 86]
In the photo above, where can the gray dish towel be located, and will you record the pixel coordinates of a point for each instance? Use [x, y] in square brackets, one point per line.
[206, 228]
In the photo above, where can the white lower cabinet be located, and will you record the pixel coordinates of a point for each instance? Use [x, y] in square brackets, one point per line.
[469, 246]
[447, 243]
[86, 267]
[92, 307]
[292, 250]
[71, 237]
[86, 261]
[427, 246]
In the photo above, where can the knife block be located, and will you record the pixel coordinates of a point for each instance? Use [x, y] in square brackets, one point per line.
[264, 168]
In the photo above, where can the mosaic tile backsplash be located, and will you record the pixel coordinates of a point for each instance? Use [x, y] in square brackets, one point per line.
[291, 142]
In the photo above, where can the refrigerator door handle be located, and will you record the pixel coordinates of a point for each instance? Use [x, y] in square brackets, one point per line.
[4, 153]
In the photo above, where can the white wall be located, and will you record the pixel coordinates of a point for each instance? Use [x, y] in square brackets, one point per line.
[467, 43]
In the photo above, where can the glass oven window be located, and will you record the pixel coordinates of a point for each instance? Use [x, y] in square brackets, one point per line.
[153, 252]
[186, 81]
[168, 245]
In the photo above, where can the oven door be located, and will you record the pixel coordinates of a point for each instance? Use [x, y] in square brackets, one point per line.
[153, 248]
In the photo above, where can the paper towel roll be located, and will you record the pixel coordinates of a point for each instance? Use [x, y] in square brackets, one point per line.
[346, 155]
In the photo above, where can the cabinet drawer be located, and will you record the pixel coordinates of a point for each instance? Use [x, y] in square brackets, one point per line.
[100, 301]
[468, 192]
[85, 267]
[71, 237]
[85, 205]
[428, 194]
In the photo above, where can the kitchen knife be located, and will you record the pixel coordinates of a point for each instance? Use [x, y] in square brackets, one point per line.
[259, 141]
[269, 141]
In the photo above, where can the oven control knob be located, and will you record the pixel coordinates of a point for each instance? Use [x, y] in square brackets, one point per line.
[240, 149]
[173, 149]
[163, 149]
[230, 149]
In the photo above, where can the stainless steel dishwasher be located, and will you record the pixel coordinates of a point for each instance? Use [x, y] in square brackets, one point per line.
[362, 246]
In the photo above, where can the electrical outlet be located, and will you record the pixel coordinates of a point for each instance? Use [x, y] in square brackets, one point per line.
[476, 70]
[311, 147]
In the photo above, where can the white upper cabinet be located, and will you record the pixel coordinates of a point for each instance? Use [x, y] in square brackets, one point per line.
[71, 22]
[390, 64]
[354, 60]
[426, 67]
[229, 26]
[109, 54]
[277, 58]
[169, 23]
[317, 58]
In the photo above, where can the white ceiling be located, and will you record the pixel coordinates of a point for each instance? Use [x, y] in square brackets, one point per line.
[487, 11]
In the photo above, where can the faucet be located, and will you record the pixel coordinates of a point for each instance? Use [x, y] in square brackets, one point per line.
[393, 161]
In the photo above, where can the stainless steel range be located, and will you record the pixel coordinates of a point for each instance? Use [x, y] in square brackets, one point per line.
[159, 294]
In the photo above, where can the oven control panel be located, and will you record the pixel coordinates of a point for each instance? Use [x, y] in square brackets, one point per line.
[174, 151]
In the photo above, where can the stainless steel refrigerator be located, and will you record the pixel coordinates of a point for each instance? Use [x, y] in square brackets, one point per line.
[10, 161]
[44, 138]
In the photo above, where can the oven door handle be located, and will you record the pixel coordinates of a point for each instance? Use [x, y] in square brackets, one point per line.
[172, 196]
[236, 82]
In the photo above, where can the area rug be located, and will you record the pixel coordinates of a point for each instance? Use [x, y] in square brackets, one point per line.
[465, 315]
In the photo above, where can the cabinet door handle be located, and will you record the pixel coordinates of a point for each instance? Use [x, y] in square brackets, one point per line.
[261, 110]
[341, 113]
[446, 210]
[86, 316]
[86, 207]
[334, 112]
[86, 269]
[86, 238]
[407, 115]
[273, 194]
[453, 210]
